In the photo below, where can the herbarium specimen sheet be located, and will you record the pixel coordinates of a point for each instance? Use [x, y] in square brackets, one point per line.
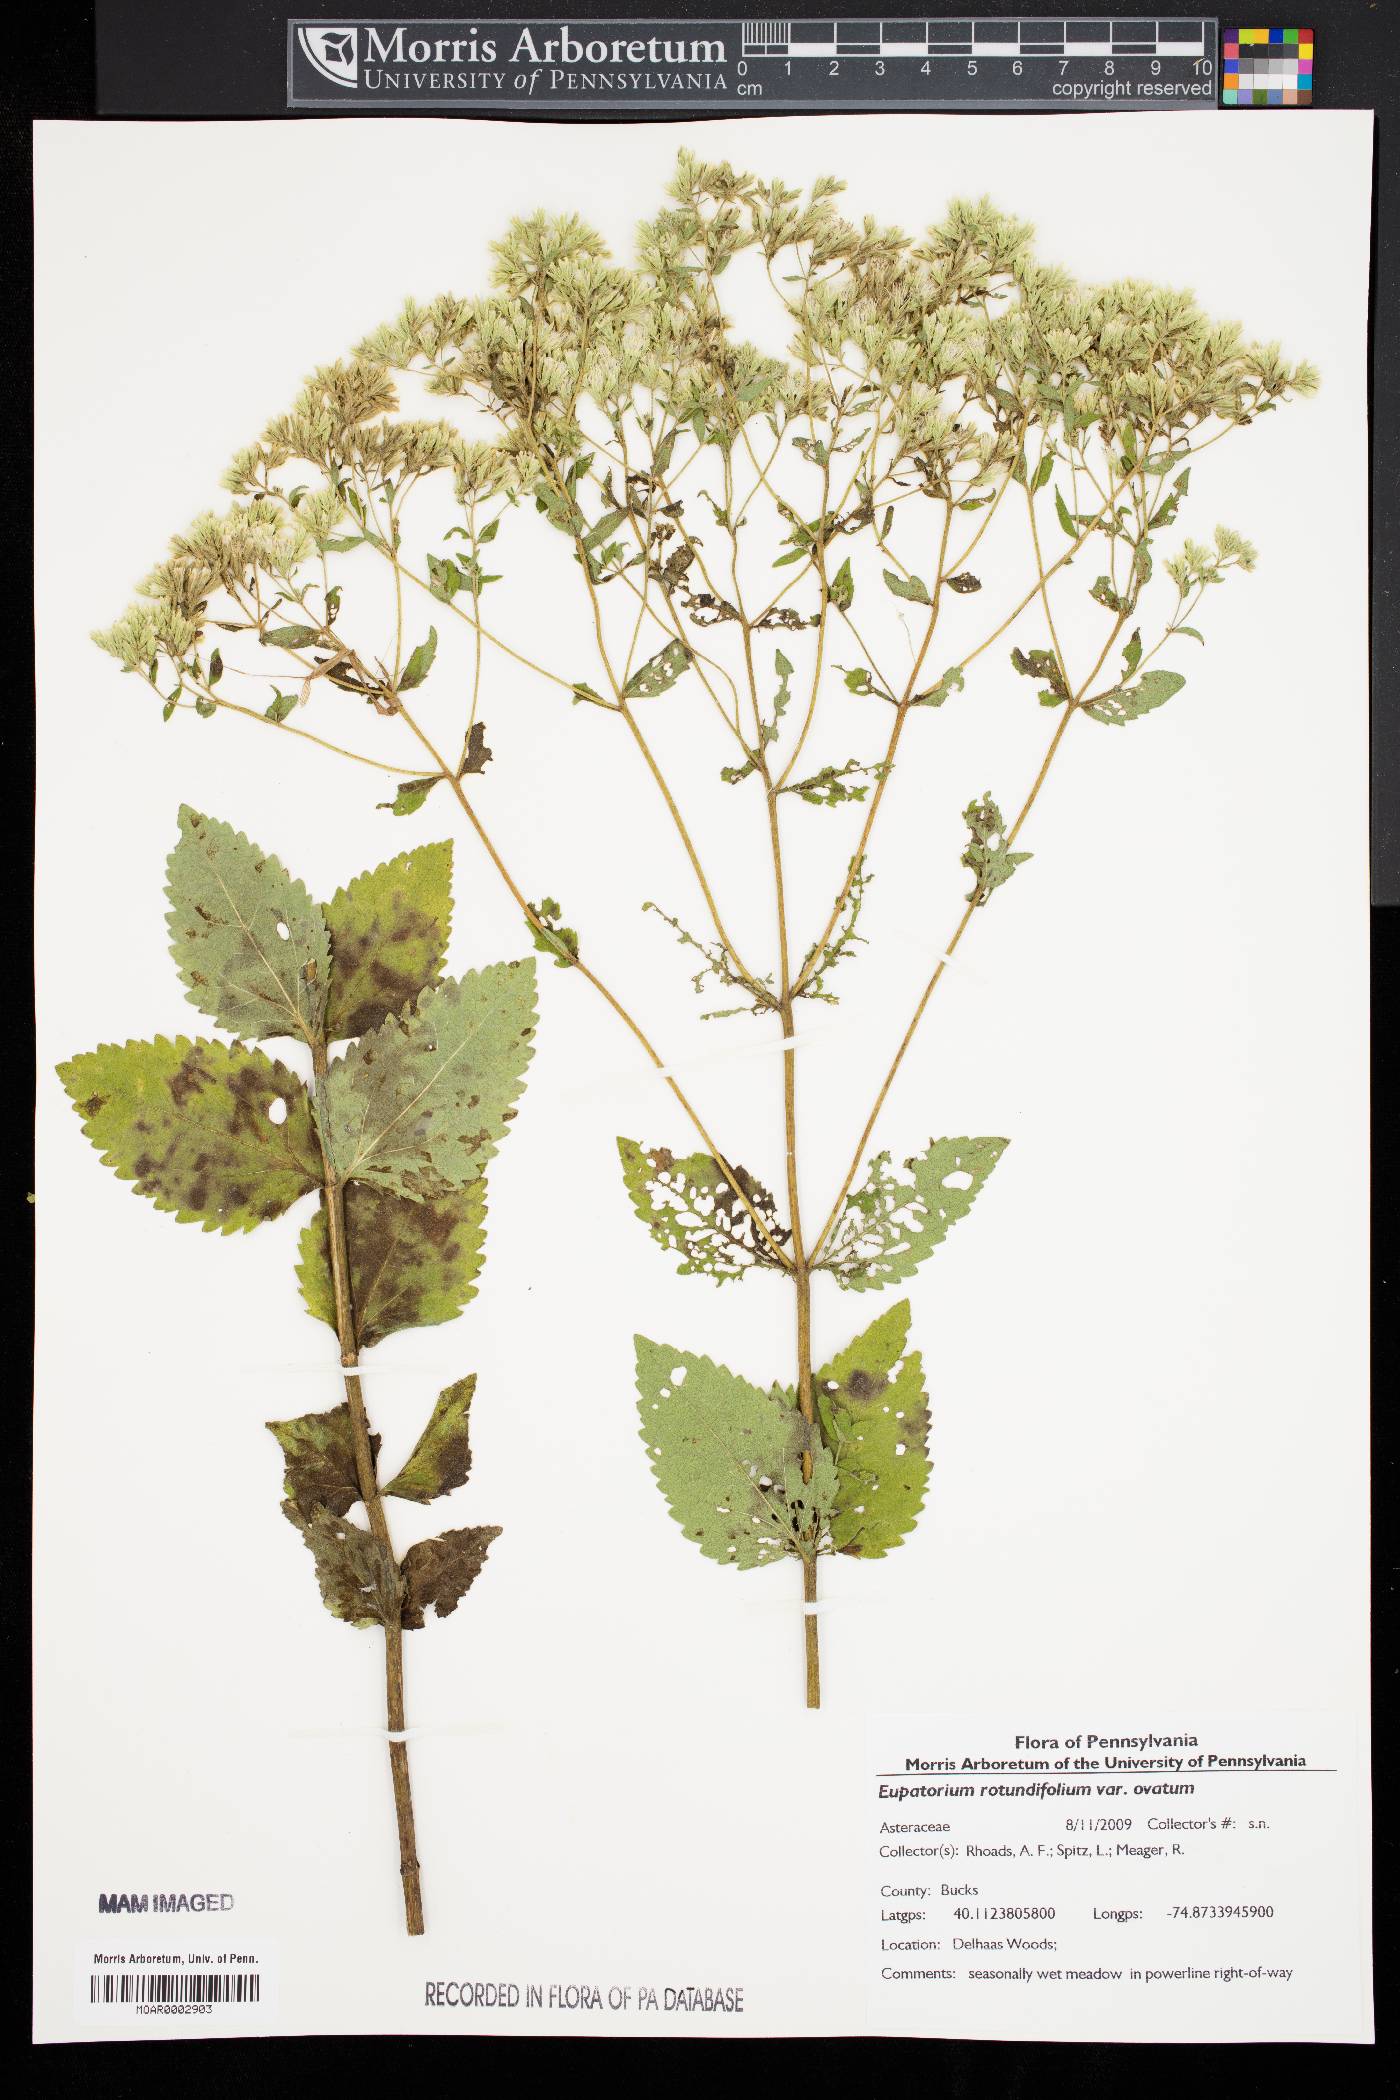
[701, 886]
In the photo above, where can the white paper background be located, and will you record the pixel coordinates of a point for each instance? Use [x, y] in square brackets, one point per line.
[1145, 1348]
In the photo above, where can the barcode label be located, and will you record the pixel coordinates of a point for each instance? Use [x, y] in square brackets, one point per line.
[156, 1982]
[174, 1987]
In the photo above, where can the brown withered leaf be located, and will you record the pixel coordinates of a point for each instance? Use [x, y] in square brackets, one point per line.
[320, 1455]
[411, 1264]
[389, 931]
[438, 1572]
[359, 1581]
[442, 1457]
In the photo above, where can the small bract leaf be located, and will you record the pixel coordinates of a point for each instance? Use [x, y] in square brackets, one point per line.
[249, 943]
[442, 1457]
[720, 1450]
[875, 1421]
[419, 1106]
[411, 1264]
[320, 1455]
[888, 1225]
[437, 1573]
[690, 1208]
[388, 932]
[191, 1125]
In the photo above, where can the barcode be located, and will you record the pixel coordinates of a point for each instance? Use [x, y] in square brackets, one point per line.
[174, 1987]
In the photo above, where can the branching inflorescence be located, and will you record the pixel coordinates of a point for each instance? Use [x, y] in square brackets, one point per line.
[816, 551]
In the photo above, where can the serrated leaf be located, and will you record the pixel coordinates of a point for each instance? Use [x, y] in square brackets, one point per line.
[659, 673]
[442, 1457]
[419, 663]
[411, 1264]
[419, 1106]
[889, 1225]
[1129, 703]
[388, 934]
[690, 1209]
[907, 587]
[721, 1451]
[358, 1578]
[320, 1462]
[875, 1421]
[188, 1124]
[438, 1572]
[250, 944]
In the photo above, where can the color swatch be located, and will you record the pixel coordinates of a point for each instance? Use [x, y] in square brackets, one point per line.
[1266, 68]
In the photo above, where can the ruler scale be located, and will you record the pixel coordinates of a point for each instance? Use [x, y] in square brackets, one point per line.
[688, 67]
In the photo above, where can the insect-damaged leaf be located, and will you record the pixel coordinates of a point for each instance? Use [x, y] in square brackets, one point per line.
[388, 932]
[659, 673]
[437, 1573]
[190, 1124]
[411, 1264]
[874, 1419]
[727, 1457]
[690, 1208]
[988, 854]
[320, 1456]
[442, 1457]
[1130, 702]
[419, 1106]
[889, 1225]
[359, 1580]
[249, 943]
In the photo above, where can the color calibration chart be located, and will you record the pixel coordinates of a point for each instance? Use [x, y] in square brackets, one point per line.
[1266, 68]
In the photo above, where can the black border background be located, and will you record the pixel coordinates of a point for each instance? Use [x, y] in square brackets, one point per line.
[48, 69]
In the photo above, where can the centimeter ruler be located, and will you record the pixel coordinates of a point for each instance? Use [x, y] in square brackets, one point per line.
[687, 68]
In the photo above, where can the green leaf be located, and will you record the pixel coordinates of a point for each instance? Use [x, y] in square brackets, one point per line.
[388, 932]
[842, 588]
[964, 584]
[907, 587]
[189, 1124]
[446, 579]
[551, 936]
[281, 706]
[726, 1456]
[419, 663]
[874, 1419]
[437, 1573]
[419, 1106]
[358, 1578]
[1129, 703]
[987, 853]
[691, 1209]
[1062, 512]
[412, 795]
[952, 681]
[1132, 655]
[658, 674]
[250, 945]
[1042, 663]
[442, 1456]
[1043, 472]
[290, 637]
[411, 1264]
[888, 1225]
[320, 1462]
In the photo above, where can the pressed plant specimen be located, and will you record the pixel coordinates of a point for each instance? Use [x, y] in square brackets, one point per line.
[957, 468]
[393, 1136]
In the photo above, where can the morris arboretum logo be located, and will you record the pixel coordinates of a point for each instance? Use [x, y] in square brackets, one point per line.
[334, 52]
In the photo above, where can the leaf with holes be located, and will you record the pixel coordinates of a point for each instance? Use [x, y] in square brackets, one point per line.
[442, 1457]
[659, 673]
[437, 1573]
[191, 1125]
[691, 1208]
[411, 1264]
[889, 1225]
[875, 1421]
[320, 1462]
[721, 1451]
[419, 1106]
[358, 1578]
[388, 933]
[1129, 703]
[248, 941]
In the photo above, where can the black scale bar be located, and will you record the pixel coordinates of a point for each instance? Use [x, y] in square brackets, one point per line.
[1070, 37]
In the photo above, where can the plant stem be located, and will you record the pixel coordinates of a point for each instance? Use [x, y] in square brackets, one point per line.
[367, 1476]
